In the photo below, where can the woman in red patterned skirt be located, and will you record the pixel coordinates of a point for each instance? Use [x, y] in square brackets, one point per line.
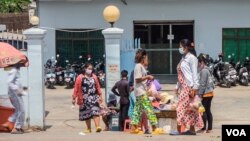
[186, 89]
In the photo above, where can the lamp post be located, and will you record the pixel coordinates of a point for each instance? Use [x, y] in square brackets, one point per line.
[111, 14]
[36, 98]
[34, 20]
[112, 48]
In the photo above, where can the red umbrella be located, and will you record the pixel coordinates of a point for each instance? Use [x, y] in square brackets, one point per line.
[9, 55]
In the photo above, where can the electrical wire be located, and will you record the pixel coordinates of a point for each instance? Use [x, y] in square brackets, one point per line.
[79, 31]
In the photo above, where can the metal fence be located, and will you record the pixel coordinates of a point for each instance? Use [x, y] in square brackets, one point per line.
[128, 49]
[15, 38]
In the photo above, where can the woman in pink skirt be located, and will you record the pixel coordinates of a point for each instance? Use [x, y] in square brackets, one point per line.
[186, 89]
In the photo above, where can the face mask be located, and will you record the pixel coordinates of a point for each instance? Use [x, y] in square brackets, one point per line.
[181, 50]
[88, 71]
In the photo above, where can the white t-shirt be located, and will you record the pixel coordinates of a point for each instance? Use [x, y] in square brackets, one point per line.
[139, 72]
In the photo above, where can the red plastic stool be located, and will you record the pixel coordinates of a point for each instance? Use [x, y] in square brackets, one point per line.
[127, 125]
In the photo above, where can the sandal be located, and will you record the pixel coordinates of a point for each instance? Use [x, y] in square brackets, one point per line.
[136, 131]
[16, 131]
[175, 133]
[87, 131]
[158, 131]
[201, 131]
[98, 129]
[188, 133]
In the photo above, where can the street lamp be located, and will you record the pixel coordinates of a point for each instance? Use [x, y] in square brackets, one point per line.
[111, 14]
[34, 20]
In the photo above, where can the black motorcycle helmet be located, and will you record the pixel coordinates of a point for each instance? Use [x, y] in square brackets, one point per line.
[221, 55]
[49, 63]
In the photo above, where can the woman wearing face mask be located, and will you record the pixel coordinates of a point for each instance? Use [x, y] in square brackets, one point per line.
[206, 93]
[87, 93]
[140, 89]
[186, 89]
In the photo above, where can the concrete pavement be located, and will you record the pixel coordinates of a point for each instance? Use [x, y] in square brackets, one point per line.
[230, 106]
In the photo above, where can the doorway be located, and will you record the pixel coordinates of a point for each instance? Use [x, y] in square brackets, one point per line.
[161, 40]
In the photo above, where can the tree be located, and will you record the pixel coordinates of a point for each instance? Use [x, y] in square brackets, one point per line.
[14, 6]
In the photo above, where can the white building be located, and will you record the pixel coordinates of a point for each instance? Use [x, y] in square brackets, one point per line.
[214, 25]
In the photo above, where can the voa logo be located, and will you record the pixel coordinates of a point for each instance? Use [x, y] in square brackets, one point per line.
[236, 132]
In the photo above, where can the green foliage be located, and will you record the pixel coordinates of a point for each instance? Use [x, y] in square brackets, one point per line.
[14, 6]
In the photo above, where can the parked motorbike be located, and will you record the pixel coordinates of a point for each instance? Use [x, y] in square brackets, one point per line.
[242, 74]
[232, 71]
[247, 65]
[101, 77]
[69, 76]
[233, 74]
[99, 70]
[221, 70]
[210, 64]
[59, 75]
[50, 74]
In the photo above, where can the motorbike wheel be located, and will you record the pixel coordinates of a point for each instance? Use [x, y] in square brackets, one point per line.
[234, 83]
[228, 84]
[246, 82]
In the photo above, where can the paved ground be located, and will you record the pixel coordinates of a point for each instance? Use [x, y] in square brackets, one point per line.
[230, 106]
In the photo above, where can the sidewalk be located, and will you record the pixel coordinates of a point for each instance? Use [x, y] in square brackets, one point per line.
[230, 106]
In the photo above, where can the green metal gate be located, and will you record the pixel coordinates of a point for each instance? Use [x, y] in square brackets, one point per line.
[70, 45]
[236, 41]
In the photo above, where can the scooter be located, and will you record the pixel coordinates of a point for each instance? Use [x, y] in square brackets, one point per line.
[247, 65]
[59, 75]
[242, 74]
[232, 71]
[69, 76]
[221, 70]
[101, 77]
[50, 75]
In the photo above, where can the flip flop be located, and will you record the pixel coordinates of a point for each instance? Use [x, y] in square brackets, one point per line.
[189, 133]
[175, 133]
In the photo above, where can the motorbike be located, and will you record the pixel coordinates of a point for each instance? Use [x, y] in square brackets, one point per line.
[232, 71]
[59, 75]
[247, 65]
[59, 71]
[99, 69]
[101, 77]
[210, 64]
[221, 72]
[69, 76]
[50, 75]
[232, 74]
[242, 74]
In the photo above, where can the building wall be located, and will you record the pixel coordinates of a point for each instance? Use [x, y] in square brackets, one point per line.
[209, 16]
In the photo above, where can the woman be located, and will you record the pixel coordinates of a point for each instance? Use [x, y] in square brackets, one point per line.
[88, 94]
[140, 89]
[186, 89]
[206, 93]
[15, 92]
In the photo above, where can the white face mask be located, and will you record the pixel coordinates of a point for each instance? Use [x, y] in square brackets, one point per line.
[88, 71]
[181, 50]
